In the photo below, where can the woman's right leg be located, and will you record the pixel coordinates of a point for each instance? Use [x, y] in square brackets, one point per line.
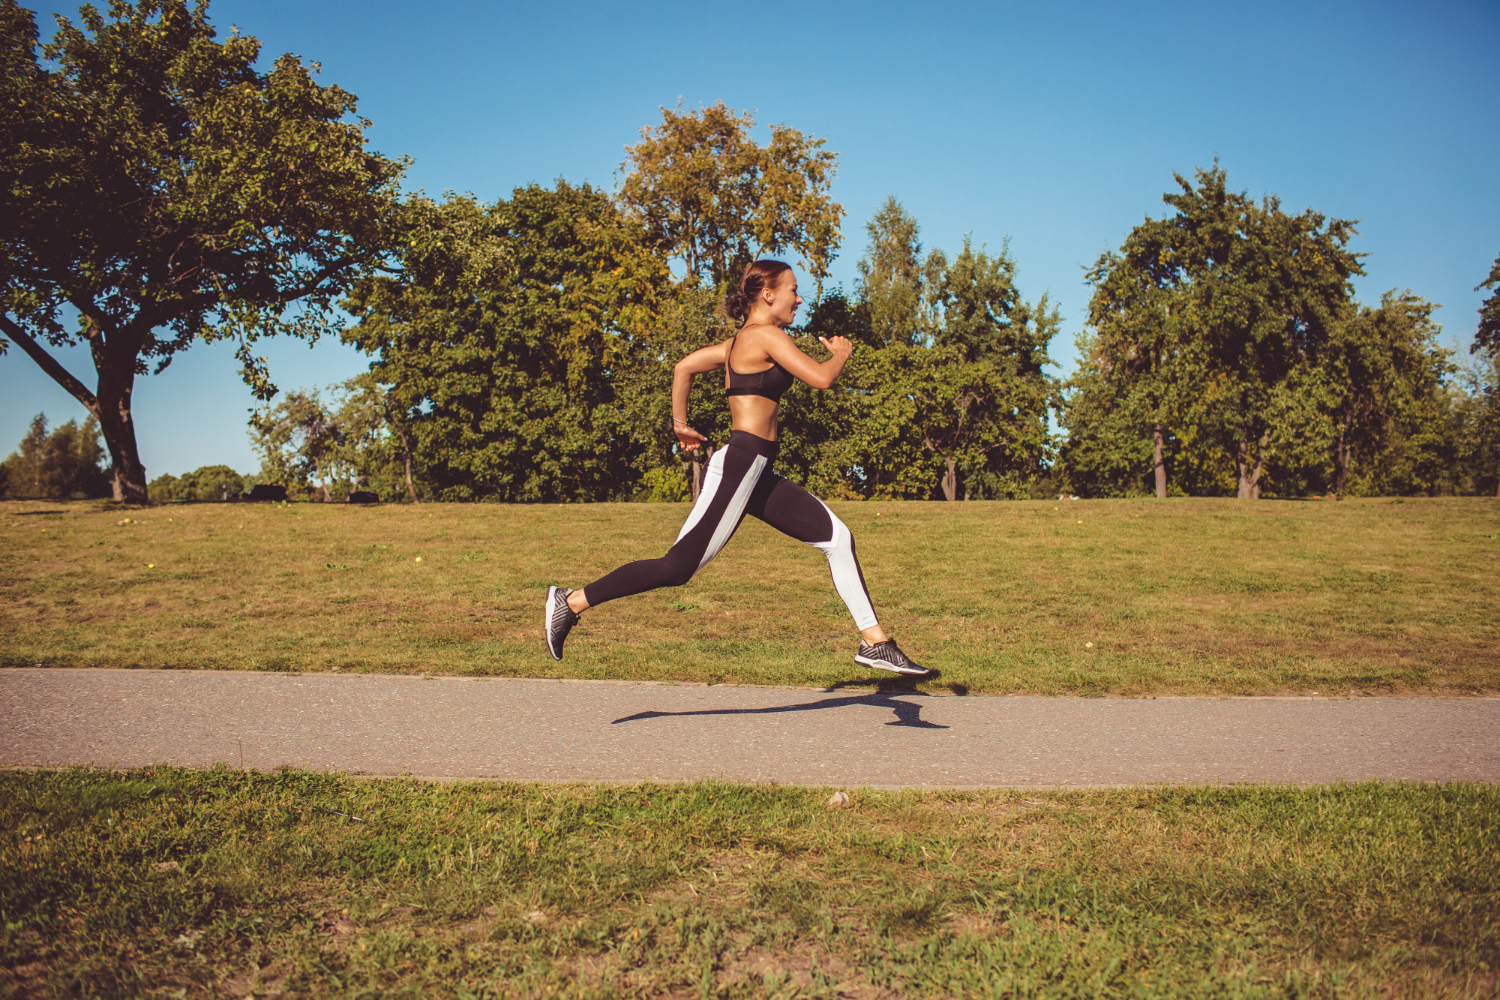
[732, 474]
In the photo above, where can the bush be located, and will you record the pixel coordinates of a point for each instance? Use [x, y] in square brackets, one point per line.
[210, 482]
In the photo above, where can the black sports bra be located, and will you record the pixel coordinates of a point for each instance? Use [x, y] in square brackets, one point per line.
[770, 383]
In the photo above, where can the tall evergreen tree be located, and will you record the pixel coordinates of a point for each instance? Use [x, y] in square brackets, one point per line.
[60, 465]
[891, 277]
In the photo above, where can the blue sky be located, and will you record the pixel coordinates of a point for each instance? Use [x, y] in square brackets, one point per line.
[1056, 126]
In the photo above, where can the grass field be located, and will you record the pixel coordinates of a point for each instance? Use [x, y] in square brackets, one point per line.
[180, 883]
[1098, 597]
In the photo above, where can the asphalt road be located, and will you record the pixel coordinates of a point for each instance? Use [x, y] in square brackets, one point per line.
[451, 727]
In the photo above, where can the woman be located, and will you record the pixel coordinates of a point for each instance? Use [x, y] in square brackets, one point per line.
[760, 363]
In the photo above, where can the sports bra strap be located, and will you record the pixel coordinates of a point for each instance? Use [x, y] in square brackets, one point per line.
[770, 383]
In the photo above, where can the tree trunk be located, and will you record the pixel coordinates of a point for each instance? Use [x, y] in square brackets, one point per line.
[950, 480]
[406, 454]
[1341, 462]
[111, 406]
[1249, 486]
[322, 481]
[1158, 462]
[118, 428]
[694, 469]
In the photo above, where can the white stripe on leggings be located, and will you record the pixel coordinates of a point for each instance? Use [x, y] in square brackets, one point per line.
[709, 487]
[734, 511]
[841, 563]
[712, 480]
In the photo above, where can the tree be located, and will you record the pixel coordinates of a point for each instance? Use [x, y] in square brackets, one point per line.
[375, 440]
[705, 193]
[1487, 335]
[1108, 446]
[981, 393]
[892, 277]
[354, 441]
[1385, 370]
[952, 402]
[299, 441]
[1259, 290]
[508, 378]
[1141, 353]
[61, 465]
[1482, 445]
[157, 186]
[687, 317]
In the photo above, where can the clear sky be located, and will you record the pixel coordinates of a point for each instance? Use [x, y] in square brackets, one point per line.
[1056, 126]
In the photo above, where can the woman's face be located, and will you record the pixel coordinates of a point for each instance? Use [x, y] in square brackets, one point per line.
[784, 300]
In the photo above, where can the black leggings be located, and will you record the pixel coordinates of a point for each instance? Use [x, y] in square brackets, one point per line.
[740, 481]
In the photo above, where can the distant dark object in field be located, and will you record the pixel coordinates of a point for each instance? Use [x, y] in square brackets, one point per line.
[266, 491]
[363, 496]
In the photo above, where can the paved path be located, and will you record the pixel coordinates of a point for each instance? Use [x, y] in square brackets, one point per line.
[613, 731]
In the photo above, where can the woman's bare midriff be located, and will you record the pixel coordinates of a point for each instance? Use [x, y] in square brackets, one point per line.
[754, 415]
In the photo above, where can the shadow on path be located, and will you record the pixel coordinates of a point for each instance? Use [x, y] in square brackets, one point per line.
[907, 713]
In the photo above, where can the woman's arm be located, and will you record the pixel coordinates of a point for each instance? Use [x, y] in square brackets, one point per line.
[705, 359]
[818, 374]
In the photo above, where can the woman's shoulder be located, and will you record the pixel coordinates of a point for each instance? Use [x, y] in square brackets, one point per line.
[760, 333]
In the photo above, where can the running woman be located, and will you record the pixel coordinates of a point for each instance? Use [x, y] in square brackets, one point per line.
[761, 362]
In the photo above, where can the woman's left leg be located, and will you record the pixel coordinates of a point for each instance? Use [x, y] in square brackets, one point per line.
[793, 511]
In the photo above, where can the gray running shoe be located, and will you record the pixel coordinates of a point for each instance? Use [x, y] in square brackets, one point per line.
[558, 620]
[888, 656]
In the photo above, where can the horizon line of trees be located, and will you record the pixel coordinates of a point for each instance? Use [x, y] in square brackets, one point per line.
[160, 191]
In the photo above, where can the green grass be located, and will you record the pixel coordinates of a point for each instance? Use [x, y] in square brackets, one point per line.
[170, 883]
[1100, 597]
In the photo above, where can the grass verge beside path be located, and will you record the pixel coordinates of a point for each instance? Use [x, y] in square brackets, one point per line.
[169, 882]
[1098, 597]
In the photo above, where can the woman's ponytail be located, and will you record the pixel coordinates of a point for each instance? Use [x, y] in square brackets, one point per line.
[758, 276]
[737, 306]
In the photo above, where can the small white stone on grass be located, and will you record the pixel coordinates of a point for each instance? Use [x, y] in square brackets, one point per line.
[838, 800]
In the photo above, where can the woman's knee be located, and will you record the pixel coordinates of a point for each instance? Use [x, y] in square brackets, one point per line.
[677, 572]
[839, 537]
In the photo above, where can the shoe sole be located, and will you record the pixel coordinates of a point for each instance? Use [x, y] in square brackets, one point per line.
[547, 622]
[883, 665]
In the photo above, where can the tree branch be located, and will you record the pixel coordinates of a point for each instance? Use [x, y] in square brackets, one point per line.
[289, 295]
[49, 364]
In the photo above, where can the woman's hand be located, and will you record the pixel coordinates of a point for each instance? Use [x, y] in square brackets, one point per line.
[837, 345]
[686, 436]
